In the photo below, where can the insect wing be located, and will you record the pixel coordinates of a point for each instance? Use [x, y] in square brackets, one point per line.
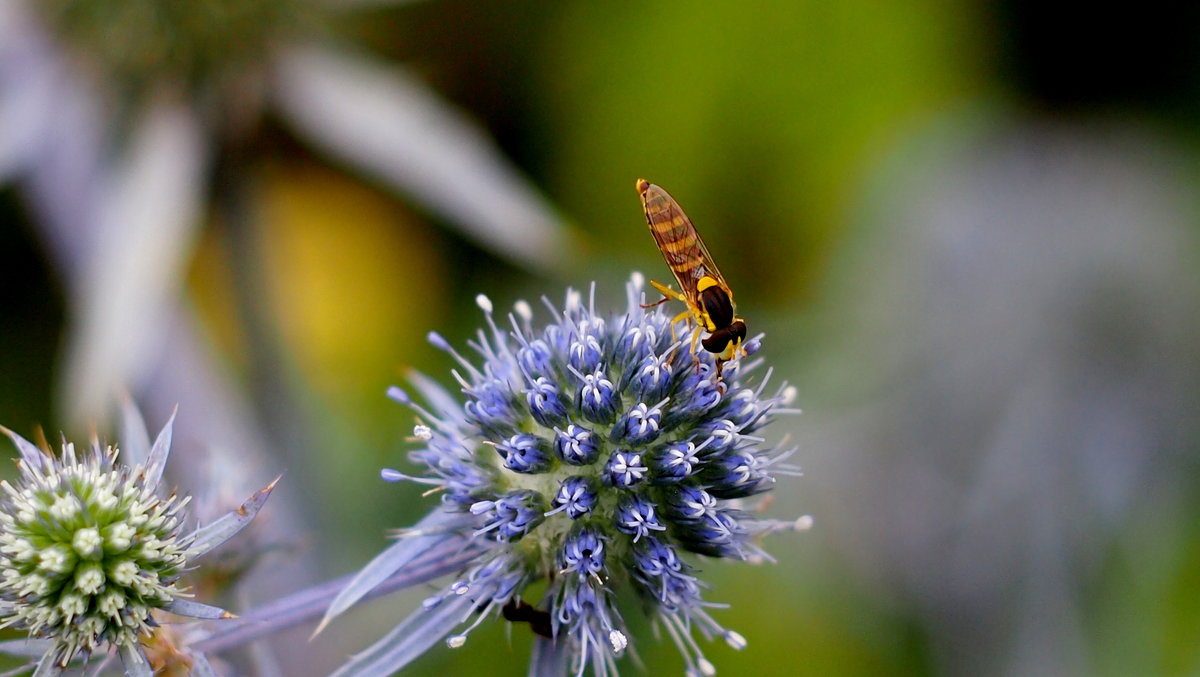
[678, 240]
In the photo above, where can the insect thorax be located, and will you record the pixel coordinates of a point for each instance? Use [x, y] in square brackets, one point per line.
[716, 303]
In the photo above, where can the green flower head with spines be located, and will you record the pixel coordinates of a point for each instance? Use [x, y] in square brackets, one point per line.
[89, 550]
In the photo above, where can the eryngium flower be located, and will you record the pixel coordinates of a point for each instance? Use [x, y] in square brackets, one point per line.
[593, 454]
[89, 550]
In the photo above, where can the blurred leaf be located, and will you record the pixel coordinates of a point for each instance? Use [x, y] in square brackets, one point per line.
[25, 89]
[144, 218]
[385, 121]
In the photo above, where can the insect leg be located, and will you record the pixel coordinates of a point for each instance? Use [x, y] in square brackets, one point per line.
[737, 353]
[667, 293]
[685, 315]
[695, 340]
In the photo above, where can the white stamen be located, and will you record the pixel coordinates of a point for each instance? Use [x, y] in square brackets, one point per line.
[523, 310]
[637, 279]
[484, 303]
[618, 641]
[804, 523]
[706, 668]
[789, 395]
[422, 432]
[735, 640]
[457, 640]
[574, 300]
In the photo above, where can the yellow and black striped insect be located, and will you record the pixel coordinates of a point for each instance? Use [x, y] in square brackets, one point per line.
[709, 299]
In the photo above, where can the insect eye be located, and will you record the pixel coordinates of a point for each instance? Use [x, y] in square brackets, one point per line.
[716, 341]
[738, 331]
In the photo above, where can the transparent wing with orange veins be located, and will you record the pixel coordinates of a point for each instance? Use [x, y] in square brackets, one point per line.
[678, 241]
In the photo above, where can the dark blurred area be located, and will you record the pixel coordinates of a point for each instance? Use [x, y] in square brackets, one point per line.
[1070, 59]
[969, 230]
[33, 311]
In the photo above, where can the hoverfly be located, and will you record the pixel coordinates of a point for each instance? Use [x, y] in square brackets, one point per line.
[709, 299]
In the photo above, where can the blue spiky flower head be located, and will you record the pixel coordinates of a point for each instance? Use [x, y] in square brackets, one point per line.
[91, 550]
[597, 455]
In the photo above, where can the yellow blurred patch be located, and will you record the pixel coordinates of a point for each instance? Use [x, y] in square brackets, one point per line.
[353, 279]
[211, 288]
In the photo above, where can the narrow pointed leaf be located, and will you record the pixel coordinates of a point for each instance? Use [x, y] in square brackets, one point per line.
[48, 667]
[309, 604]
[63, 176]
[34, 457]
[409, 640]
[157, 460]
[201, 667]
[429, 532]
[210, 536]
[186, 607]
[263, 662]
[141, 223]
[135, 662]
[385, 121]
[26, 648]
[26, 97]
[101, 667]
[135, 441]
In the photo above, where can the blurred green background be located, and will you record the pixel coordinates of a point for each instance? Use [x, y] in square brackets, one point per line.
[968, 230]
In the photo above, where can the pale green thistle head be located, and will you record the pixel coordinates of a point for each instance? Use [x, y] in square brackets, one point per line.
[91, 551]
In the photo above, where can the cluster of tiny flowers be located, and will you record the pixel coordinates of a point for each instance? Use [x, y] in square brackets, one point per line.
[90, 552]
[87, 550]
[594, 453]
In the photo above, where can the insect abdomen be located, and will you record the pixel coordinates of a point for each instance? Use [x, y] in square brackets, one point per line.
[674, 233]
